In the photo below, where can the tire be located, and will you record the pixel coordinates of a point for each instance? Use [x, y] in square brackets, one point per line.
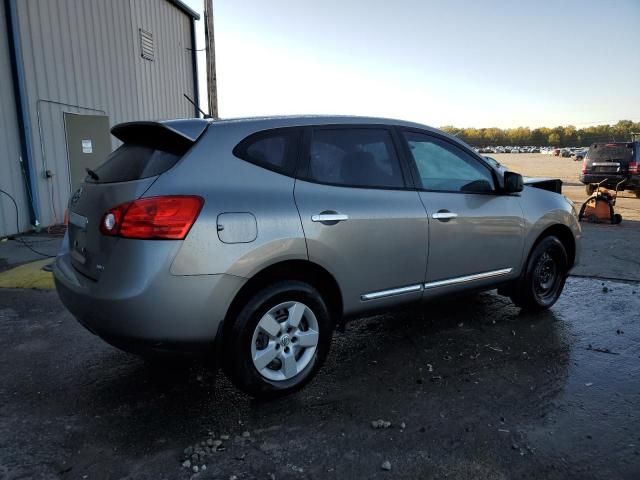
[590, 188]
[253, 332]
[544, 277]
[637, 193]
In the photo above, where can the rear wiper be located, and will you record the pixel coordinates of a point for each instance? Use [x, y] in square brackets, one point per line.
[93, 174]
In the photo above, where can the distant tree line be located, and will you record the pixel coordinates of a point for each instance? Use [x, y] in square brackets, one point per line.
[568, 136]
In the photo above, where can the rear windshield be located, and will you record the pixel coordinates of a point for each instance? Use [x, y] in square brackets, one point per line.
[133, 162]
[612, 152]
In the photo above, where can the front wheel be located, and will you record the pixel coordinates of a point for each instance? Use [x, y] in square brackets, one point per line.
[543, 280]
[279, 340]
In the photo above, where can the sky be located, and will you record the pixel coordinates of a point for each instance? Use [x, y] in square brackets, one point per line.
[463, 63]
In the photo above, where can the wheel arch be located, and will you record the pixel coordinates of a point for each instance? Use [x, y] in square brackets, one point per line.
[564, 234]
[303, 270]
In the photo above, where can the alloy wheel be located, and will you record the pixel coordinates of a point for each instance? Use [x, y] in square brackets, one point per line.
[284, 341]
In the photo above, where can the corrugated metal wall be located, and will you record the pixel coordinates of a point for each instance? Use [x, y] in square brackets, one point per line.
[83, 56]
[10, 171]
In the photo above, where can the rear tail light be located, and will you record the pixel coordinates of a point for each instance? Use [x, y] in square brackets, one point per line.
[584, 166]
[164, 218]
[633, 168]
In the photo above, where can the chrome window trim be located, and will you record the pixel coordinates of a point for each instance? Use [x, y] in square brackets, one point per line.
[468, 278]
[391, 292]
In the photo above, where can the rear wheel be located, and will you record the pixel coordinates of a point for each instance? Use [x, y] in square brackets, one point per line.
[279, 340]
[543, 280]
[590, 188]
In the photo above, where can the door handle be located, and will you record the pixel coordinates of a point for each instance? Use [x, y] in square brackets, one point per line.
[329, 218]
[444, 215]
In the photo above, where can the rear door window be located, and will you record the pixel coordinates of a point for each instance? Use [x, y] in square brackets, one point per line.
[133, 162]
[359, 157]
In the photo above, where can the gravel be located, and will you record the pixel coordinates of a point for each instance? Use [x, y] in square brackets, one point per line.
[376, 424]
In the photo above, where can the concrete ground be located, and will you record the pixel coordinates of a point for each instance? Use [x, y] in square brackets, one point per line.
[472, 388]
[14, 253]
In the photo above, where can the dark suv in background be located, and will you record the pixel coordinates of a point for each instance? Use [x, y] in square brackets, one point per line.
[612, 162]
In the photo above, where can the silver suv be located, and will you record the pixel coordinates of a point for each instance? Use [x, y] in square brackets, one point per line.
[255, 238]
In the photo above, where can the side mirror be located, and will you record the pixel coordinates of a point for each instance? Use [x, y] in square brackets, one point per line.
[513, 182]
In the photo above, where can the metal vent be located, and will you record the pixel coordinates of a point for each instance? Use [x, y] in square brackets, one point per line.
[146, 44]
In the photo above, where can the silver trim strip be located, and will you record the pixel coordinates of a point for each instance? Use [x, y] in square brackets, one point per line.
[440, 215]
[329, 217]
[392, 292]
[468, 278]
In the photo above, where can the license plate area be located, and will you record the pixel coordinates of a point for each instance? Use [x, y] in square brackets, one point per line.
[78, 238]
[78, 221]
[606, 167]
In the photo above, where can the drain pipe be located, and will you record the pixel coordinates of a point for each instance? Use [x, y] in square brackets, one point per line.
[24, 123]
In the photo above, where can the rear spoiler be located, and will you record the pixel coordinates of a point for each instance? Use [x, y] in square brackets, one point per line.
[549, 184]
[175, 136]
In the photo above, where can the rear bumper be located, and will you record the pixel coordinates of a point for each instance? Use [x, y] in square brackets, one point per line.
[160, 311]
[632, 183]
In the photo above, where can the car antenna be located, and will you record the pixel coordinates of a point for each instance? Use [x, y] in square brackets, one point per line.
[205, 115]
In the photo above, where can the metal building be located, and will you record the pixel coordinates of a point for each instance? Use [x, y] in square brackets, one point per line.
[71, 69]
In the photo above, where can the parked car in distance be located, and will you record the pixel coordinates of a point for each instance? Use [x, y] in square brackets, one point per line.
[252, 239]
[612, 162]
[579, 154]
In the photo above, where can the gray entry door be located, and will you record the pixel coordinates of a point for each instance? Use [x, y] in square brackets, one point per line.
[88, 144]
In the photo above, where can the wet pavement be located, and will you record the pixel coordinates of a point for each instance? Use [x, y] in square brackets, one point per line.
[483, 391]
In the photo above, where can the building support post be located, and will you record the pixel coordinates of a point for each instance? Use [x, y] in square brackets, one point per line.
[212, 84]
[194, 68]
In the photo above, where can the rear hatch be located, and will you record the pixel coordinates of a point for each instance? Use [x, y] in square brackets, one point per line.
[149, 149]
[609, 158]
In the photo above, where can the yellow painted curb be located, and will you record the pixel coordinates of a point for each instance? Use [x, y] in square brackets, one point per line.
[29, 275]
